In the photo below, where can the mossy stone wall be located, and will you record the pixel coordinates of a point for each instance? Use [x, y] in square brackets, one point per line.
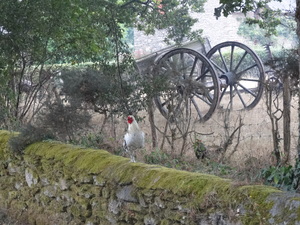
[54, 183]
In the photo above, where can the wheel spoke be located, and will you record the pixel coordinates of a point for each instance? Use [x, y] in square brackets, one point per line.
[218, 67]
[193, 87]
[168, 64]
[239, 63]
[240, 97]
[248, 79]
[203, 73]
[247, 90]
[223, 60]
[243, 71]
[164, 66]
[193, 67]
[231, 57]
[197, 108]
[204, 99]
[231, 96]
[223, 92]
[206, 73]
[182, 69]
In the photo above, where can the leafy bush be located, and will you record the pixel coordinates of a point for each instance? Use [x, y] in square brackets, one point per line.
[165, 159]
[157, 157]
[284, 177]
[199, 149]
[219, 169]
[90, 140]
[104, 90]
[64, 120]
[28, 135]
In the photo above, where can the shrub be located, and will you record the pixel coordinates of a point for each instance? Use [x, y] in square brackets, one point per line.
[165, 159]
[90, 140]
[28, 135]
[64, 120]
[103, 90]
[283, 177]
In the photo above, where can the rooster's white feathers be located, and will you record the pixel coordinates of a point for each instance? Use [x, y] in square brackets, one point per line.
[134, 138]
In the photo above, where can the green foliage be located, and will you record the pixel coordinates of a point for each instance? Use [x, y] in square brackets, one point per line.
[287, 64]
[64, 120]
[28, 134]
[86, 30]
[157, 157]
[284, 177]
[104, 89]
[266, 18]
[219, 169]
[74, 32]
[228, 6]
[162, 158]
[90, 140]
[288, 60]
[165, 159]
[171, 15]
[260, 34]
[199, 149]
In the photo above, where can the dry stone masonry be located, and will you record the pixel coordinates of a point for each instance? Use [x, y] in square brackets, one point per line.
[54, 183]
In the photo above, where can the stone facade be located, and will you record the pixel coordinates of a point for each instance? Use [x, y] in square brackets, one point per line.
[214, 30]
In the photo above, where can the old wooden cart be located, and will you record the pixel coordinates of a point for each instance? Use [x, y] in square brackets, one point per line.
[228, 75]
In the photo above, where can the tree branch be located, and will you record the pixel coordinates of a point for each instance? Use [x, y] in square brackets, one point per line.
[135, 1]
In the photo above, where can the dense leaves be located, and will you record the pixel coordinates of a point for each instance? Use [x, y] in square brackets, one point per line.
[101, 91]
[261, 13]
[37, 37]
[85, 30]
[284, 177]
[285, 32]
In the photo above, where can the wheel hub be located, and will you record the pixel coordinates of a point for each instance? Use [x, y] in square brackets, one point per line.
[230, 78]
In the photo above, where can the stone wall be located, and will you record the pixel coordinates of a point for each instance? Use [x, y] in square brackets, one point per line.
[214, 30]
[54, 183]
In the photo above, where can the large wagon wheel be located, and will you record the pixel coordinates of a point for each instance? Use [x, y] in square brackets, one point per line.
[241, 74]
[189, 85]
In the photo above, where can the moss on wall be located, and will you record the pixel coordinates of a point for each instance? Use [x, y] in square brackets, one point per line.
[69, 184]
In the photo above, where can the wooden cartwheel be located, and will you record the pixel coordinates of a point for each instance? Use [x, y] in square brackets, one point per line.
[230, 75]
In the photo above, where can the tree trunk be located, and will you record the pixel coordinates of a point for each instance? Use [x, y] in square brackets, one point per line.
[271, 102]
[297, 17]
[286, 118]
[152, 123]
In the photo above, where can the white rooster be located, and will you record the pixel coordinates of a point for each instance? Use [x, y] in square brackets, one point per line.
[134, 138]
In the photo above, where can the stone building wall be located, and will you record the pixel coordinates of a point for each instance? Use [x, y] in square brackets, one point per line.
[216, 31]
[54, 183]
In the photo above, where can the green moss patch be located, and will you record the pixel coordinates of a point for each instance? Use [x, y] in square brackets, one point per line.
[119, 169]
[4, 138]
